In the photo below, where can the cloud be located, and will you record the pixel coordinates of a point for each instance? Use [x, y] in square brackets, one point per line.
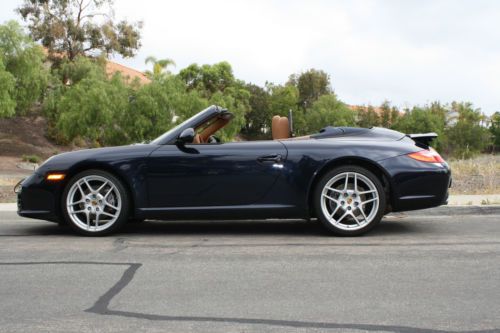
[409, 52]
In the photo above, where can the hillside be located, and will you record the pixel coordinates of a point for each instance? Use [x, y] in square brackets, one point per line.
[26, 136]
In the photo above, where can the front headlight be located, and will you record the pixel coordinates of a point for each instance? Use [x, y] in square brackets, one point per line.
[19, 186]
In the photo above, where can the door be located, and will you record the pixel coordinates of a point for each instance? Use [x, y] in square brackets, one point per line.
[197, 175]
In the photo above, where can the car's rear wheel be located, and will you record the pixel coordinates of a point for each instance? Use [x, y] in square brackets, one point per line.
[95, 203]
[349, 200]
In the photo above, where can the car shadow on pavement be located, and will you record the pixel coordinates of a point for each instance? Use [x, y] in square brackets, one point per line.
[264, 227]
[299, 228]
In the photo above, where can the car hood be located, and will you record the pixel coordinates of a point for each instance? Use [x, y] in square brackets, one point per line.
[65, 161]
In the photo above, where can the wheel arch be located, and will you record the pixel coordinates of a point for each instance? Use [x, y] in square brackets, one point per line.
[102, 167]
[370, 165]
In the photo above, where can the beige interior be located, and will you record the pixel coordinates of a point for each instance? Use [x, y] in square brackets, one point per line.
[279, 127]
[205, 130]
[212, 128]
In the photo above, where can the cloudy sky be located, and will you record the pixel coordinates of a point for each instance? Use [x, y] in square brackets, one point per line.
[409, 52]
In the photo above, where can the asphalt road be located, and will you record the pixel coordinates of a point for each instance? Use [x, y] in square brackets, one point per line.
[412, 274]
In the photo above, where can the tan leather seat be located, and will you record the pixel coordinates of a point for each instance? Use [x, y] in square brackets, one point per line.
[280, 128]
[197, 139]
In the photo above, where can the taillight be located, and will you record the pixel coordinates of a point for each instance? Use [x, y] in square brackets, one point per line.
[429, 156]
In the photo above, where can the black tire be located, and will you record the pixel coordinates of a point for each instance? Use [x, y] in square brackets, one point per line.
[123, 213]
[378, 213]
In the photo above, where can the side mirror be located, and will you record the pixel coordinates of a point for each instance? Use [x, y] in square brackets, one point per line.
[186, 136]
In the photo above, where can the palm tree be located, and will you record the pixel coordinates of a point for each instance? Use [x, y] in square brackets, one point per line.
[159, 67]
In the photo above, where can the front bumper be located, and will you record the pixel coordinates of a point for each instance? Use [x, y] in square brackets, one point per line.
[38, 199]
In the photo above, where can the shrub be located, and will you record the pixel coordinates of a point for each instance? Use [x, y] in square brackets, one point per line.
[24, 60]
[7, 85]
[329, 111]
[31, 158]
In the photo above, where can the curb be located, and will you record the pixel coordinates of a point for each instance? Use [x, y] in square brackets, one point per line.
[456, 210]
[8, 207]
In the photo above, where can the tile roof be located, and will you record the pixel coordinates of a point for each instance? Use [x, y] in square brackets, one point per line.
[128, 73]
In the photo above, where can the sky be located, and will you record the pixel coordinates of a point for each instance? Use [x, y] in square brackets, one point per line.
[407, 52]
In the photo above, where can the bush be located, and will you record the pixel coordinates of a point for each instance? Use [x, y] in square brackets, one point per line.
[24, 60]
[7, 86]
[95, 110]
[495, 130]
[153, 108]
[425, 119]
[329, 111]
[32, 158]
[468, 137]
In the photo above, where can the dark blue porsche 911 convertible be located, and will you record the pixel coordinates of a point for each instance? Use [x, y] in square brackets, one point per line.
[347, 178]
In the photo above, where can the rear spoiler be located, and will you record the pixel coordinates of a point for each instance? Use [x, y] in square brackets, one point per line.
[423, 138]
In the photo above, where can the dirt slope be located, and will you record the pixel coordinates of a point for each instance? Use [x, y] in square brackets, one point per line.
[26, 136]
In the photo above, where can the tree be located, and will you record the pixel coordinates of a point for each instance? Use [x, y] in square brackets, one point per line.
[24, 60]
[367, 117]
[7, 85]
[282, 99]
[159, 67]
[259, 116]
[311, 85]
[328, 110]
[208, 79]
[67, 75]
[154, 106]
[467, 137]
[495, 129]
[235, 99]
[422, 119]
[92, 110]
[217, 84]
[68, 28]
[72, 72]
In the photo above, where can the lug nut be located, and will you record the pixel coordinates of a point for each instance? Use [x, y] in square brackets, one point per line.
[88, 208]
[349, 208]
[97, 209]
[342, 202]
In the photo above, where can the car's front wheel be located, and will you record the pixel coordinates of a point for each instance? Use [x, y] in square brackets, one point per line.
[349, 201]
[95, 203]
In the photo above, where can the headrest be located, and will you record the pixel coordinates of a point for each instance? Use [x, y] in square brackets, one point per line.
[280, 128]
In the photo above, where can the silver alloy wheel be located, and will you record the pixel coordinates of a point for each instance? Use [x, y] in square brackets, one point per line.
[93, 203]
[349, 201]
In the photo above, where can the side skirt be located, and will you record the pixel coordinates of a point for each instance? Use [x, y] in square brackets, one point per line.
[238, 212]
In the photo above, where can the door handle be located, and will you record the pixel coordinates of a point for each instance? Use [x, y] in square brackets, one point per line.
[275, 158]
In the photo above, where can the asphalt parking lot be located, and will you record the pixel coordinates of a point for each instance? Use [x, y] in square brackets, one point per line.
[412, 274]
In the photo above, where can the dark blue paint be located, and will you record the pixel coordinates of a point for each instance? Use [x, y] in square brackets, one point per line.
[212, 174]
[260, 179]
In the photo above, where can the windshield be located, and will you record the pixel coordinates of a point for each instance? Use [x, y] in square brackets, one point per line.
[159, 139]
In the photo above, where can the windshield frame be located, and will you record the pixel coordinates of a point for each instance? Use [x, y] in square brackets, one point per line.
[171, 135]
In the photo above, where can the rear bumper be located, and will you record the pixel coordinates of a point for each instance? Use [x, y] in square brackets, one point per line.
[417, 185]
